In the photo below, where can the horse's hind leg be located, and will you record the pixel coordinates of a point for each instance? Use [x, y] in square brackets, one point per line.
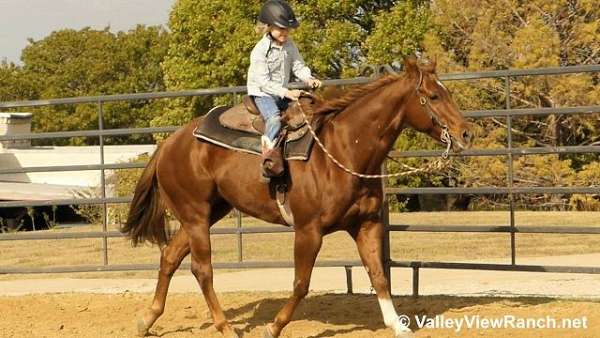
[198, 229]
[170, 259]
[203, 271]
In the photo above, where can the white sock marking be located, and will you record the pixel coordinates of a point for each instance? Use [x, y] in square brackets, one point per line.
[390, 317]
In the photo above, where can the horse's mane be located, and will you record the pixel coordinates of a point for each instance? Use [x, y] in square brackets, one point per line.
[343, 99]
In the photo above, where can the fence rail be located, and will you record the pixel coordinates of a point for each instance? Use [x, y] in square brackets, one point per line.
[510, 189]
[339, 82]
[277, 230]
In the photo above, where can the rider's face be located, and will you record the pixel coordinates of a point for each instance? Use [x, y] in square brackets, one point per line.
[280, 34]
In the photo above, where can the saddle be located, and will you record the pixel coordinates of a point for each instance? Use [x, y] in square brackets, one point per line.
[245, 117]
[241, 126]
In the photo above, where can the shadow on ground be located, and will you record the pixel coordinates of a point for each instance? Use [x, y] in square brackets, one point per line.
[359, 312]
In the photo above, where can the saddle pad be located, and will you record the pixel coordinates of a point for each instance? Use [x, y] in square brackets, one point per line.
[210, 129]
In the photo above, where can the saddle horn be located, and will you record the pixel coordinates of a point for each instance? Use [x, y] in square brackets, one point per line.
[306, 94]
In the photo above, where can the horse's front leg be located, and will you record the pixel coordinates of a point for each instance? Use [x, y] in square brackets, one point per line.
[307, 244]
[369, 238]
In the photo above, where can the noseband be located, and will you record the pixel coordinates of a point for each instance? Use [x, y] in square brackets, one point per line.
[445, 135]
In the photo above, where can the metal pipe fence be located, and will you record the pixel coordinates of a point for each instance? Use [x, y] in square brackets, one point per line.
[509, 190]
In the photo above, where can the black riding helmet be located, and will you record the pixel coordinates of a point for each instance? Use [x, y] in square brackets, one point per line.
[278, 13]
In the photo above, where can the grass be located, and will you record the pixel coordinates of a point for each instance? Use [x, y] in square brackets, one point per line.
[337, 246]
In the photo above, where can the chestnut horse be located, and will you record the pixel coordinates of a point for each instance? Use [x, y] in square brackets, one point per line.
[200, 183]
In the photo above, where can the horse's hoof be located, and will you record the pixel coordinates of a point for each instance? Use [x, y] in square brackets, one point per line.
[142, 328]
[268, 333]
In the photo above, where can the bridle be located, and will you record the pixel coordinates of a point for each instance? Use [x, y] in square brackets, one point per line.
[445, 135]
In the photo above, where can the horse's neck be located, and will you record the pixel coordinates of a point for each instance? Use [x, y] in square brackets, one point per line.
[364, 132]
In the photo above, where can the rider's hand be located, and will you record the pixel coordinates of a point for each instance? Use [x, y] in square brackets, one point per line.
[294, 94]
[314, 83]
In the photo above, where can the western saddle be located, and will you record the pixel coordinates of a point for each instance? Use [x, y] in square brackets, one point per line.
[246, 117]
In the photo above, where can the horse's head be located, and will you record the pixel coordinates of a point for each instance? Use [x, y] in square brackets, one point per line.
[431, 109]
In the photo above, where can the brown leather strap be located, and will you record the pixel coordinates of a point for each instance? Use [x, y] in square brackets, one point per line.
[250, 105]
[283, 204]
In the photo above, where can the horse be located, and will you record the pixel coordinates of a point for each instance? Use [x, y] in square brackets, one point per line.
[200, 183]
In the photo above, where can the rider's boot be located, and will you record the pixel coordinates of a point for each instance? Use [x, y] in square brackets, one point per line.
[272, 159]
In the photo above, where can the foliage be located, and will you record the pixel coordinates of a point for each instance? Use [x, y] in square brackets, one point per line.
[91, 213]
[397, 32]
[14, 85]
[5, 227]
[489, 35]
[89, 62]
[50, 220]
[588, 176]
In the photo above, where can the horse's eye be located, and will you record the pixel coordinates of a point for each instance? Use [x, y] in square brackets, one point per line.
[434, 97]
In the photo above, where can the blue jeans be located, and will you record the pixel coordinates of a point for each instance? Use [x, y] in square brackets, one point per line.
[270, 109]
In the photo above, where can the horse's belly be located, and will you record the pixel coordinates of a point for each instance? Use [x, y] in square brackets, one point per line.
[251, 198]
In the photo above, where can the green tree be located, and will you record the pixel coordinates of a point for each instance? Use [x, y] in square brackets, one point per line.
[489, 35]
[87, 62]
[14, 85]
[397, 33]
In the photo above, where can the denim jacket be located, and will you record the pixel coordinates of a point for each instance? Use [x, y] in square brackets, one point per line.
[271, 67]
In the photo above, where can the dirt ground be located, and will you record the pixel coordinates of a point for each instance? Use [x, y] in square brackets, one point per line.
[321, 315]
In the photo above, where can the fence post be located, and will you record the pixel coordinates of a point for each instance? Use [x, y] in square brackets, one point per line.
[349, 279]
[238, 225]
[103, 185]
[415, 281]
[238, 214]
[513, 253]
[385, 218]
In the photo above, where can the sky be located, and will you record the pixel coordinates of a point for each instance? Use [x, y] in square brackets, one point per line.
[23, 19]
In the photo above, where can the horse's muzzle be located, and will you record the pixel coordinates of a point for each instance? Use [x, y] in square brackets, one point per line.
[463, 139]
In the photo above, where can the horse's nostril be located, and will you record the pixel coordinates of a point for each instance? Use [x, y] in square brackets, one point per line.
[466, 135]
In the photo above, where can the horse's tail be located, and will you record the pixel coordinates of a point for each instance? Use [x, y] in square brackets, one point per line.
[146, 220]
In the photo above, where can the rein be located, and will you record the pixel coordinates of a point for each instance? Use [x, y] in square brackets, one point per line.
[436, 165]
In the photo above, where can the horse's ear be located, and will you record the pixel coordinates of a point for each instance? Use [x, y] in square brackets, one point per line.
[309, 99]
[428, 66]
[410, 65]
[308, 96]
